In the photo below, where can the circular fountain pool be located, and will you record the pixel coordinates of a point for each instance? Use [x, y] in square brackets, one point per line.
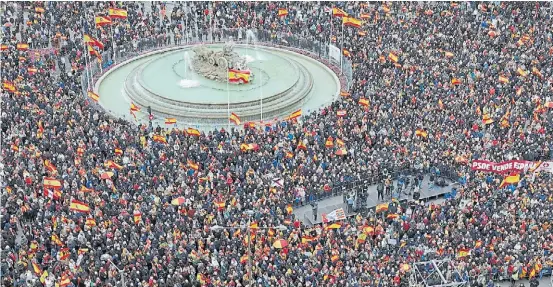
[282, 82]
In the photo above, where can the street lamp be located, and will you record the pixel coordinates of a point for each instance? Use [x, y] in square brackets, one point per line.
[120, 272]
[248, 227]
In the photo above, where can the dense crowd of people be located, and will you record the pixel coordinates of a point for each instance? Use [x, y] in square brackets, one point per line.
[154, 204]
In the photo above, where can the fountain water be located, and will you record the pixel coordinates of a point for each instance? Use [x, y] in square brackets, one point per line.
[250, 36]
[188, 82]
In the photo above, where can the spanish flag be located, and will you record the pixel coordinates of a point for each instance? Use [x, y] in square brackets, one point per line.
[64, 254]
[56, 240]
[329, 142]
[112, 164]
[22, 47]
[362, 33]
[220, 205]
[118, 151]
[463, 252]
[346, 53]
[455, 81]
[289, 155]
[90, 222]
[39, 10]
[334, 258]
[421, 133]
[449, 54]
[381, 207]
[352, 22]
[193, 132]
[364, 102]
[337, 12]
[4, 47]
[137, 216]
[101, 21]
[93, 42]
[115, 13]
[93, 96]
[511, 179]
[344, 94]
[50, 166]
[537, 72]
[93, 52]
[365, 15]
[334, 226]
[393, 57]
[522, 72]
[36, 268]
[79, 206]
[50, 182]
[170, 121]
[9, 86]
[295, 115]
[307, 238]
[159, 139]
[503, 79]
[282, 12]
[234, 118]
[340, 142]
[64, 279]
[192, 165]
[301, 145]
[238, 76]
[486, 119]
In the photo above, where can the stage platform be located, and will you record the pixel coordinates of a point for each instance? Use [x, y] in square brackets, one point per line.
[305, 213]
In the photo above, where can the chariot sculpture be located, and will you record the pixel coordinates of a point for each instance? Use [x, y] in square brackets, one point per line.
[214, 65]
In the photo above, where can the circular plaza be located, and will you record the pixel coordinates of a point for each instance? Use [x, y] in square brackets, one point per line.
[168, 82]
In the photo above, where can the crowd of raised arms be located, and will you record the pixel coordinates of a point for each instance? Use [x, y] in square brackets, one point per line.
[446, 83]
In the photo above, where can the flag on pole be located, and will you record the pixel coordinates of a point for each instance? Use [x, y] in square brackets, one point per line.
[352, 22]
[79, 206]
[102, 21]
[337, 12]
[93, 42]
[116, 13]
[170, 121]
[93, 96]
[193, 132]
[282, 12]
[295, 115]
[238, 76]
[393, 57]
[234, 118]
[511, 179]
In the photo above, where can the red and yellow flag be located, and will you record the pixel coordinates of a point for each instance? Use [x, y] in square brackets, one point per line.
[511, 179]
[170, 121]
[282, 12]
[192, 165]
[93, 42]
[193, 132]
[393, 57]
[382, 207]
[295, 115]
[22, 46]
[337, 12]
[116, 13]
[102, 21]
[50, 182]
[238, 76]
[234, 118]
[364, 102]
[352, 22]
[456, 81]
[79, 206]
[95, 97]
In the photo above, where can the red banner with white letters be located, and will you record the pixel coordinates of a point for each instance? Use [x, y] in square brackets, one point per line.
[511, 166]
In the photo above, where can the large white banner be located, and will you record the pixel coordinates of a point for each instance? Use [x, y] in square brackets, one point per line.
[334, 53]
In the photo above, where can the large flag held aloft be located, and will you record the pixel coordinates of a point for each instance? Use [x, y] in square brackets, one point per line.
[101, 21]
[337, 12]
[93, 42]
[352, 22]
[79, 206]
[117, 13]
[234, 118]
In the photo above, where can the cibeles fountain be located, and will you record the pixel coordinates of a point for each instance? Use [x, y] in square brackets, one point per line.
[191, 83]
[214, 65]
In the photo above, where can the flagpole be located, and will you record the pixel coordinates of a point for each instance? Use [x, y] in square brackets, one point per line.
[113, 43]
[331, 25]
[342, 49]
[228, 101]
[86, 67]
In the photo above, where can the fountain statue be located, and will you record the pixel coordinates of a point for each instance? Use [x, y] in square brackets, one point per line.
[214, 65]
